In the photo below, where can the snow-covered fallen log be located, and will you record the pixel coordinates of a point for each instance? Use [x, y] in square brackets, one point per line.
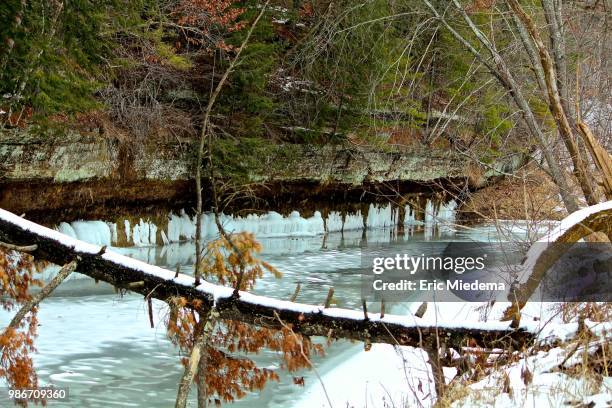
[150, 280]
[548, 249]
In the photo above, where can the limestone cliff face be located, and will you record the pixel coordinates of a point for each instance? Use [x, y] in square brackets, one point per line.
[24, 157]
[85, 175]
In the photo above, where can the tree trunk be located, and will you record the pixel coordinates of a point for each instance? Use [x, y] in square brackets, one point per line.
[531, 52]
[309, 320]
[591, 222]
[191, 370]
[205, 135]
[601, 157]
[556, 106]
[500, 70]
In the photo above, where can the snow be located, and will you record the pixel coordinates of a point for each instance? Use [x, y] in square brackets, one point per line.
[395, 375]
[384, 376]
[574, 219]
[67, 240]
[289, 83]
[548, 386]
[389, 376]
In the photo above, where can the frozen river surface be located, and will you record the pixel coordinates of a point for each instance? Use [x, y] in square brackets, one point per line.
[100, 344]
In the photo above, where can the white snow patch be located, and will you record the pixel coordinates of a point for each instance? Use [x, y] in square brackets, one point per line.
[384, 376]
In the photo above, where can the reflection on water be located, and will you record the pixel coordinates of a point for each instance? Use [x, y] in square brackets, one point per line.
[102, 347]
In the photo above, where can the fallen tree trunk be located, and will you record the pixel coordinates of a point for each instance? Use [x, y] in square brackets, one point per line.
[309, 320]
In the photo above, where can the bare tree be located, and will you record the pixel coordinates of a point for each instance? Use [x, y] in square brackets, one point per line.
[550, 68]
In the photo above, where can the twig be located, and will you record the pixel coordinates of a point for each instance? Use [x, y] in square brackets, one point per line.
[364, 306]
[330, 295]
[299, 341]
[296, 293]
[204, 135]
[24, 248]
[150, 307]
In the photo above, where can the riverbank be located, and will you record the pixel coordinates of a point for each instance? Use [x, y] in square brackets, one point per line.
[95, 175]
[529, 194]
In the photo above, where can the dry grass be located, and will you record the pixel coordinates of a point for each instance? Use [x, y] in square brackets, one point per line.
[595, 311]
[528, 196]
[581, 363]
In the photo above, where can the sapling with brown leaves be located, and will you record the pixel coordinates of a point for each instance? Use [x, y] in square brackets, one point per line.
[228, 373]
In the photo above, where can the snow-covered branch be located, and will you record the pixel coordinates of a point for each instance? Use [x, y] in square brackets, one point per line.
[543, 255]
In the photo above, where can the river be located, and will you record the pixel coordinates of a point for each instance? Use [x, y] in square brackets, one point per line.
[100, 344]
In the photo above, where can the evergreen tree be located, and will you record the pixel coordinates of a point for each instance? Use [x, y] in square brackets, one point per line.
[54, 54]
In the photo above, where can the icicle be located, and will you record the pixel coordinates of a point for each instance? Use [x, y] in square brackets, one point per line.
[94, 232]
[181, 227]
[127, 230]
[380, 217]
[152, 234]
[410, 217]
[334, 222]
[136, 235]
[113, 229]
[67, 229]
[353, 222]
[164, 238]
[430, 215]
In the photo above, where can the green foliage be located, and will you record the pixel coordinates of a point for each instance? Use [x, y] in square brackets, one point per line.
[248, 94]
[494, 124]
[59, 51]
[354, 67]
[168, 55]
[237, 161]
[343, 70]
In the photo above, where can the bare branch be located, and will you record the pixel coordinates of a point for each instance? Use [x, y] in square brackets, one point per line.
[46, 291]
[24, 248]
